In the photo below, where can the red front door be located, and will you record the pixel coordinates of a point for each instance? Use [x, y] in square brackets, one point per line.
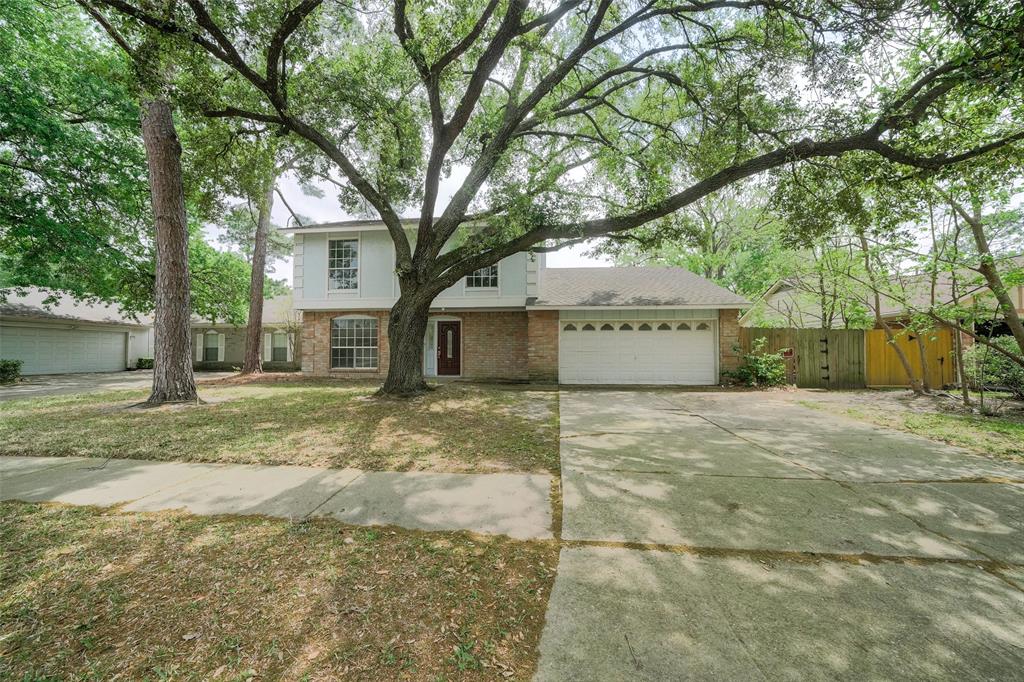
[449, 349]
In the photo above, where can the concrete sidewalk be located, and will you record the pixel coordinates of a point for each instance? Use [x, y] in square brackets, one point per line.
[516, 505]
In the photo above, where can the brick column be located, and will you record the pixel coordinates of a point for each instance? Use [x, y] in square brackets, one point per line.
[728, 336]
[542, 345]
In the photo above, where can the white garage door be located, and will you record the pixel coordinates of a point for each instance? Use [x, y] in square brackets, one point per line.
[637, 352]
[60, 351]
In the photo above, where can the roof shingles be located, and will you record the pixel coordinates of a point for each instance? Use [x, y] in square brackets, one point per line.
[631, 287]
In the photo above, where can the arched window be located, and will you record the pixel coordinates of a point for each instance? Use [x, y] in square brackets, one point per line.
[703, 327]
[354, 343]
[683, 327]
[644, 327]
[626, 327]
[569, 328]
[664, 327]
[607, 327]
[588, 327]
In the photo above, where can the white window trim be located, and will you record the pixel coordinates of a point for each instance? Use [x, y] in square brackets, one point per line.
[357, 238]
[330, 345]
[471, 289]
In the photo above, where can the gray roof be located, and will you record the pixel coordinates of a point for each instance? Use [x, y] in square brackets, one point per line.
[34, 304]
[631, 287]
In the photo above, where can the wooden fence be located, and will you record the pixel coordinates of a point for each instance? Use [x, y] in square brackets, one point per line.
[854, 358]
[885, 369]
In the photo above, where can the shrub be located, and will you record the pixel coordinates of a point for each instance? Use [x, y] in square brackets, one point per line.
[144, 363]
[10, 370]
[991, 369]
[761, 368]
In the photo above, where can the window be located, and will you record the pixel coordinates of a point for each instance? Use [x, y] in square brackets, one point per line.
[644, 327]
[588, 327]
[279, 347]
[663, 327]
[569, 328]
[683, 327]
[607, 327]
[484, 278]
[354, 343]
[210, 346]
[626, 327]
[703, 327]
[343, 264]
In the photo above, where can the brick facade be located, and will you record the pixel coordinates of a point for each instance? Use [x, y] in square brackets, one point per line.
[494, 344]
[542, 345]
[514, 345]
[728, 337]
[316, 344]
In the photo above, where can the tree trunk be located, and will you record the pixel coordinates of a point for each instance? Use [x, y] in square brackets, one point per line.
[958, 348]
[925, 382]
[995, 282]
[407, 327]
[172, 357]
[252, 362]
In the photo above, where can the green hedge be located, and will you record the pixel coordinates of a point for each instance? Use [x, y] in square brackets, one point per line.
[10, 371]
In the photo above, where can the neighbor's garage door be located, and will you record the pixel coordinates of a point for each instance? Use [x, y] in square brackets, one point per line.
[60, 351]
[637, 352]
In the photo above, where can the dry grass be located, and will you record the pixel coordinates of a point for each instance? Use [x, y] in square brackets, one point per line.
[931, 417]
[86, 594]
[458, 427]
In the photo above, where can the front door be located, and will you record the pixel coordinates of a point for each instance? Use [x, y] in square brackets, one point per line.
[449, 349]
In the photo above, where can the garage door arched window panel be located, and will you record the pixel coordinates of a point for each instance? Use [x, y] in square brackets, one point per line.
[644, 327]
[683, 327]
[607, 327]
[354, 343]
[664, 327]
[588, 327]
[626, 327]
[569, 328]
[703, 327]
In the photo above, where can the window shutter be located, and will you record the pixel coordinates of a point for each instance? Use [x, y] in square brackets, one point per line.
[220, 348]
[291, 344]
[268, 347]
[199, 347]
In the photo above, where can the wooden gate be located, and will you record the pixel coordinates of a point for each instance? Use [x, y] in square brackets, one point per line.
[820, 358]
[884, 367]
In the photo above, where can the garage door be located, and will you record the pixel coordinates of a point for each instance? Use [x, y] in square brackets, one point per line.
[637, 352]
[60, 351]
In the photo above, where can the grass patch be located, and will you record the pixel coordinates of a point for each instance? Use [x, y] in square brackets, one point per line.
[998, 436]
[458, 427]
[87, 594]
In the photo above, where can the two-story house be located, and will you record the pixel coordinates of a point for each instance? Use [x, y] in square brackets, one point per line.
[516, 321]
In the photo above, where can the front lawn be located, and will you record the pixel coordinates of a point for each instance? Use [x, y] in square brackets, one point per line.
[87, 594]
[458, 427]
[1001, 436]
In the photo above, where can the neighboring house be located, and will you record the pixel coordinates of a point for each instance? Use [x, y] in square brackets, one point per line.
[789, 303]
[70, 336]
[222, 346]
[517, 320]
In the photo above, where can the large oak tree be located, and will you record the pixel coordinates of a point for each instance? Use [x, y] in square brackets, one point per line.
[580, 118]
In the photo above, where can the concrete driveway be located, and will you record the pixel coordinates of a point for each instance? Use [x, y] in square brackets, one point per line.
[742, 536]
[43, 385]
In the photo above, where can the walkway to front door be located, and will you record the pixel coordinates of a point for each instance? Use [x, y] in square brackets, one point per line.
[449, 348]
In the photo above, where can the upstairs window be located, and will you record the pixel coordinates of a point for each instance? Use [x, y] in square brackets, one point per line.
[484, 278]
[343, 264]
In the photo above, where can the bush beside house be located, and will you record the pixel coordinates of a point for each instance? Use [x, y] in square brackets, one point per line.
[10, 371]
[990, 369]
[760, 368]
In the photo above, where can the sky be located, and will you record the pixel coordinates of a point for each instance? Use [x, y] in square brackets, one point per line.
[326, 209]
